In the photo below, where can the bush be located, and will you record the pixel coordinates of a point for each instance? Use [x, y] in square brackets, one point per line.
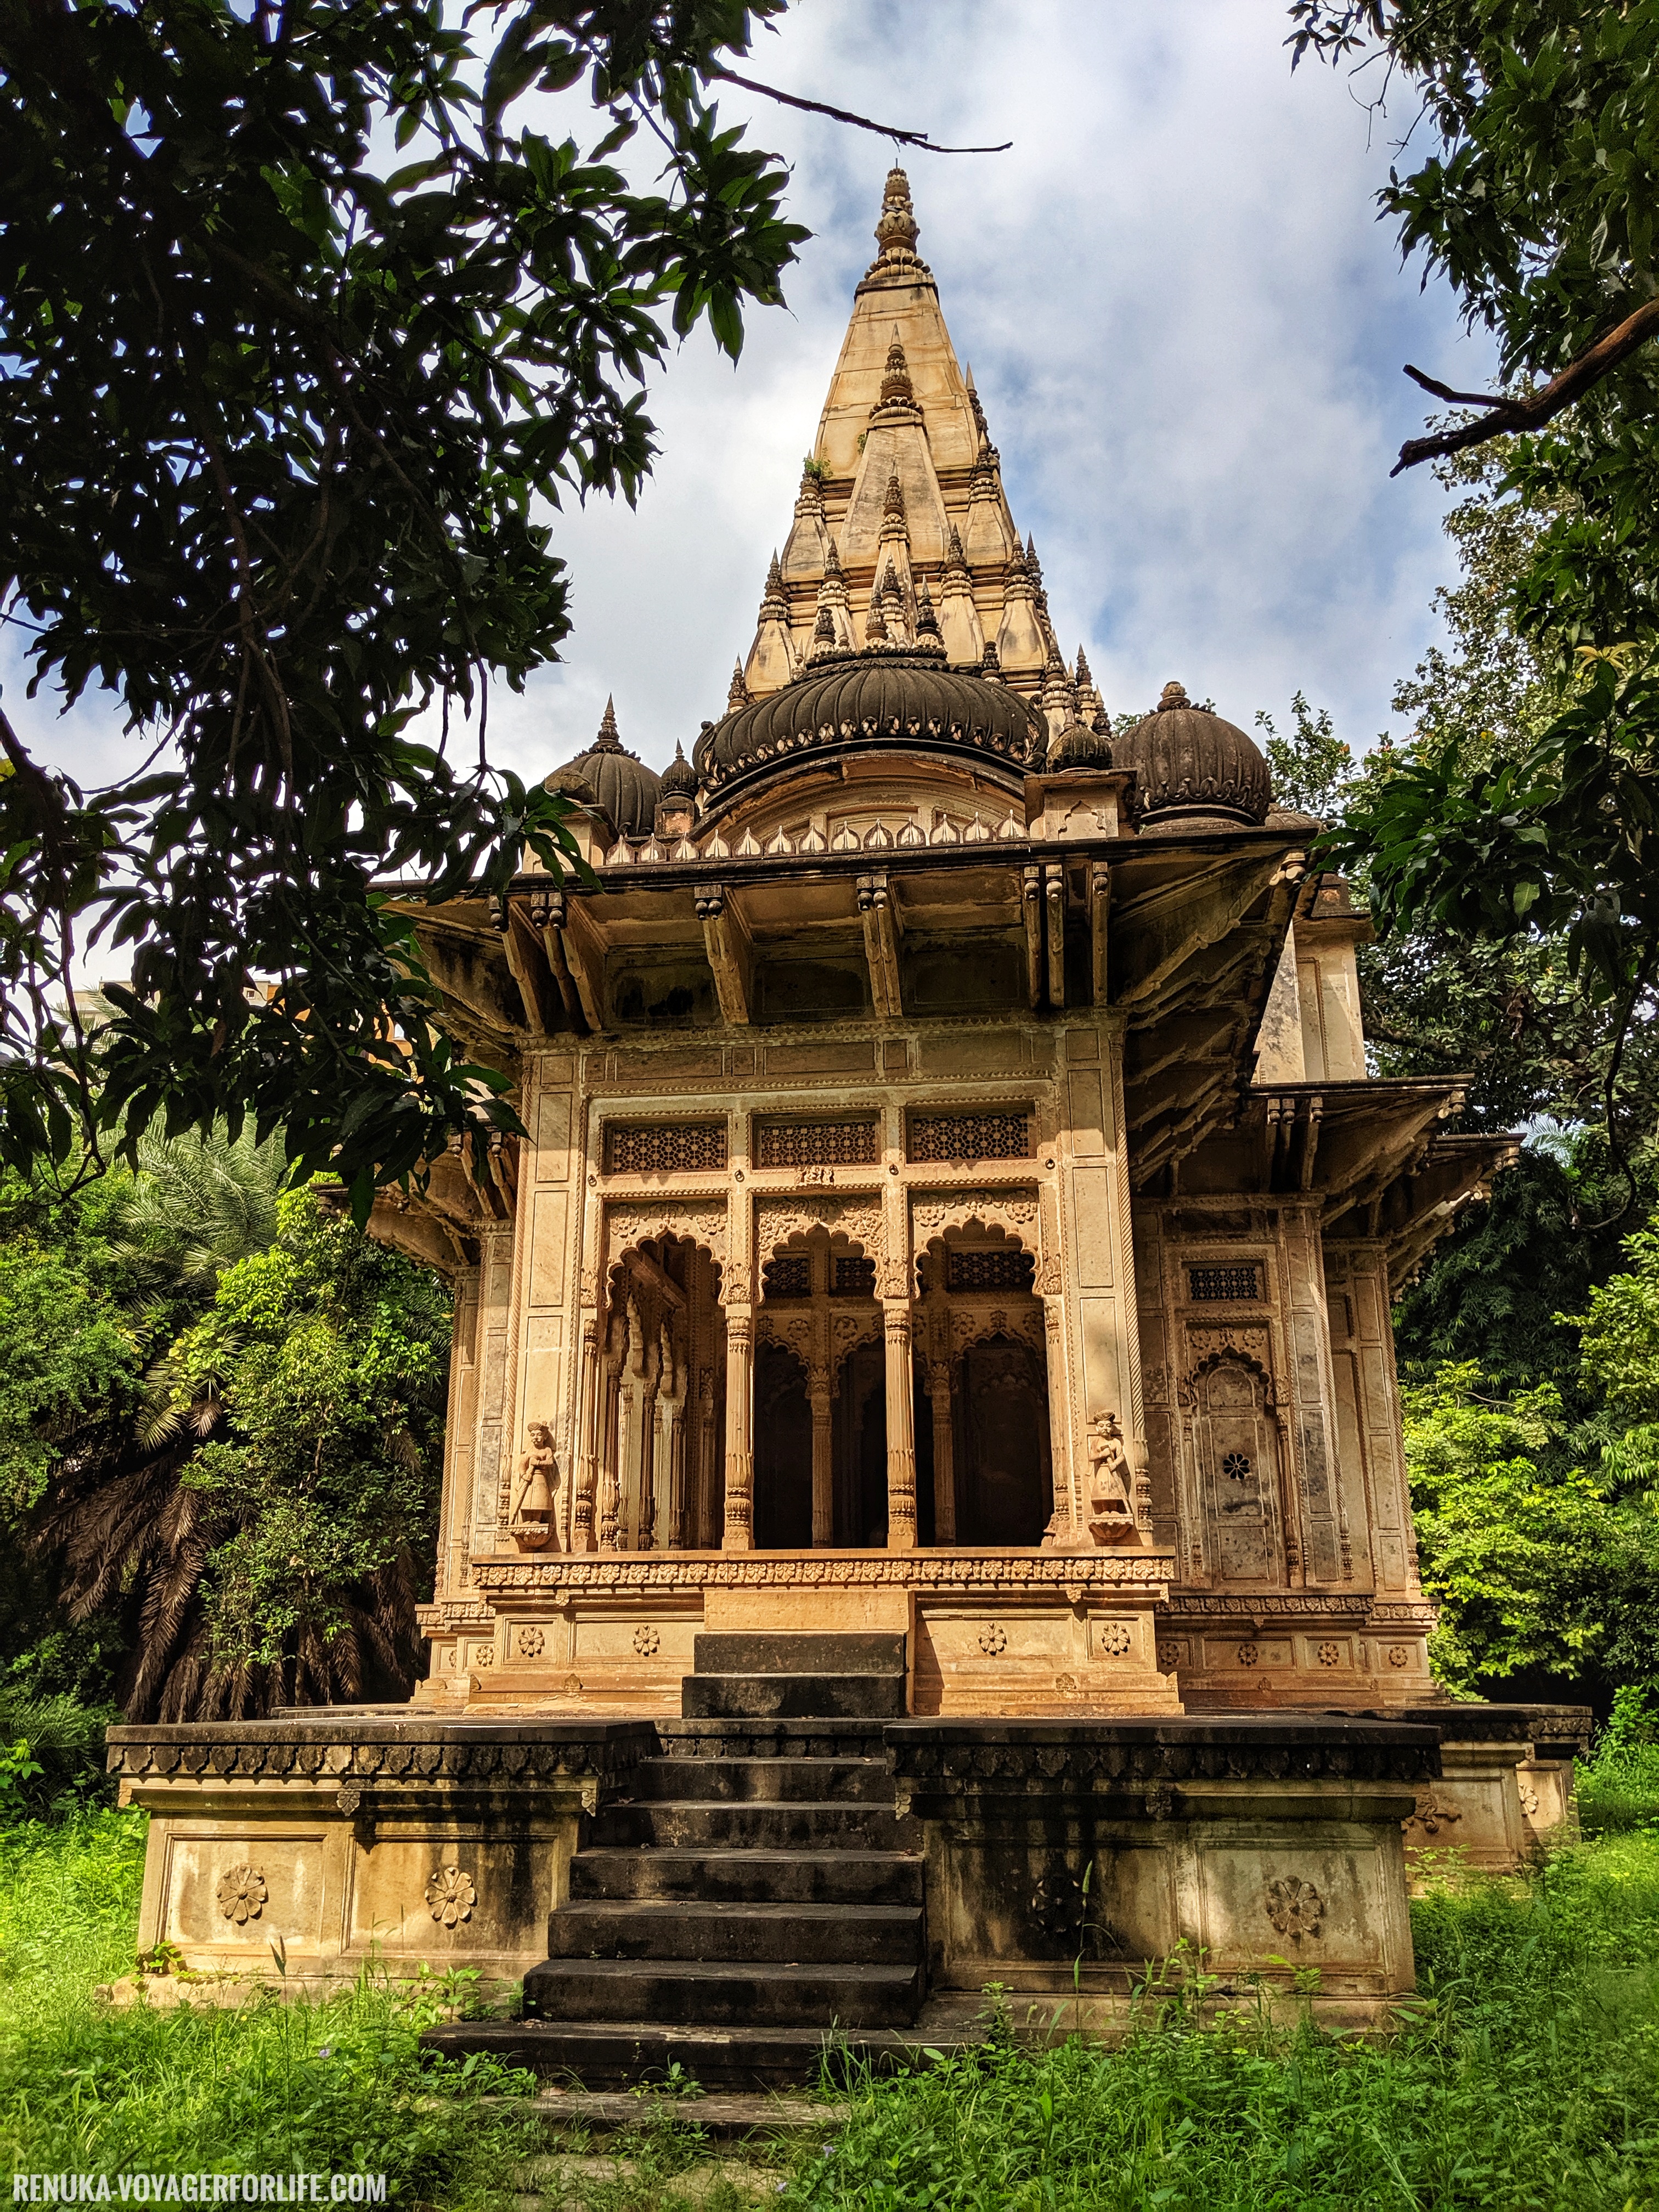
[1619, 1787]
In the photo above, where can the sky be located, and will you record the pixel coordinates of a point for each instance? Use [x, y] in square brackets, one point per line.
[1185, 322]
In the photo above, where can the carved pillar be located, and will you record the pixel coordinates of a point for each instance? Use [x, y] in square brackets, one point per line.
[1066, 1524]
[824, 1470]
[610, 1499]
[587, 1463]
[707, 1460]
[668, 1460]
[900, 1429]
[945, 1471]
[739, 1533]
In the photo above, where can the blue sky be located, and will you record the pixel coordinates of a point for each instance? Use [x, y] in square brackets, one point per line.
[1185, 322]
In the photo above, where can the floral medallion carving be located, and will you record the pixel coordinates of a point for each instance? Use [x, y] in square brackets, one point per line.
[450, 1896]
[1295, 1907]
[241, 1893]
[646, 1641]
[1116, 1639]
[994, 1639]
[532, 1642]
[484, 1655]
[1169, 1655]
[1431, 1815]
[1248, 1653]
[1530, 1800]
[1398, 1655]
[1330, 1655]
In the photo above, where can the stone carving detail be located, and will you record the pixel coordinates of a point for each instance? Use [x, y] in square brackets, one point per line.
[1059, 1908]
[850, 1143]
[241, 1893]
[1169, 1656]
[632, 1222]
[1013, 1210]
[969, 1326]
[1398, 1655]
[1530, 1800]
[1116, 1639]
[574, 1574]
[646, 1641]
[1220, 1284]
[484, 1655]
[1330, 1655]
[994, 1640]
[1112, 1516]
[532, 1642]
[1431, 1815]
[450, 1896]
[1247, 1655]
[532, 1516]
[777, 1220]
[1295, 1907]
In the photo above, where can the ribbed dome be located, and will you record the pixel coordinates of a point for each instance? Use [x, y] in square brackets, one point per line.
[1077, 746]
[621, 783]
[679, 777]
[870, 695]
[1191, 764]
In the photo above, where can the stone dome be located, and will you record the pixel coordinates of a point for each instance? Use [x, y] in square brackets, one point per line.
[679, 777]
[871, 697]
[1194, 771]
[620, 781]
[1078, 746]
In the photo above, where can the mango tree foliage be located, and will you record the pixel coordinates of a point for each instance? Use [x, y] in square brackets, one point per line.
[304, 341]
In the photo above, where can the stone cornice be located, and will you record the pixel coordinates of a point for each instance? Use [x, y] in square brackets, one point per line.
[339, 1747]
[1008, 1574]
[955, 1758]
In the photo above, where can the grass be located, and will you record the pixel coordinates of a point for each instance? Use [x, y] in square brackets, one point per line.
[1525, 2074]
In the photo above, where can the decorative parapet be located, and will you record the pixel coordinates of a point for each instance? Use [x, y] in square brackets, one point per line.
[1073, 1574]
[946, 1760]
[348, 1751]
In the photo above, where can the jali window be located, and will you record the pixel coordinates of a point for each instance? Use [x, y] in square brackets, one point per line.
[1221, 1283]
[970, 1136]
[664, 1147]
[987, 1271]
[848, 1144]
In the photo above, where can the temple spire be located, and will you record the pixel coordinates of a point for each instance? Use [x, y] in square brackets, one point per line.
[608, 741]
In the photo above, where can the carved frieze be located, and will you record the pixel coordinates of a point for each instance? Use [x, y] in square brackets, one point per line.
[630, 1222]
[623, 1573]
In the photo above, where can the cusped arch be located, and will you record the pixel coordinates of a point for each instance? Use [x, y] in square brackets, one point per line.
[1016, 1213]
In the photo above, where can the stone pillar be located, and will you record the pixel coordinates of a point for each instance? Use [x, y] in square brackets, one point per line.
[739, 1532]
[610, 1500]
[824, 1470]
[901, 1428]
[588, 1461]
[945, 1469]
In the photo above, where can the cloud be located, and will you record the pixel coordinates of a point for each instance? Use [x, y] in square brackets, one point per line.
[1185, 322]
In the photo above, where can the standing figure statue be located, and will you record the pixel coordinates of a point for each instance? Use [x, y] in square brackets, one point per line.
[1111, 1515]
[533, 1505]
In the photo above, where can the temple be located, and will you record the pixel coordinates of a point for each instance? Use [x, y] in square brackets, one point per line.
[955, 1203]
[924, 1503]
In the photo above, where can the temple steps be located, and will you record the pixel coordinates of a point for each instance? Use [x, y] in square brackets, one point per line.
[845, 1781]
[758, 1877]
[795, 1824]
[610, 2054]
[707, 1994]
[793, 1697]
[736, 1932]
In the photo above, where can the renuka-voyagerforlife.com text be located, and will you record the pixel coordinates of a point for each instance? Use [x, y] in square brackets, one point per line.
[198, 2188]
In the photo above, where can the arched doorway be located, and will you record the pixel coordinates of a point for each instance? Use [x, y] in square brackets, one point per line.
[1006, 1484]
[820, 1431]
[783, 1449]
[984, 1466]
[660, 1418]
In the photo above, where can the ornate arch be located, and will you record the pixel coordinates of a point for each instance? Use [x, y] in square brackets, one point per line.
[1242, 1350]
[628, 1223]
[1022, 1323]
[783, 1221]
[1017, 1213]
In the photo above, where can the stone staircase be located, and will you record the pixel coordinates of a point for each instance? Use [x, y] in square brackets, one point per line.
[754, 1897]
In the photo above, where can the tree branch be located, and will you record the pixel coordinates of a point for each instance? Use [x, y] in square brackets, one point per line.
[1505, 416]
[918, 139]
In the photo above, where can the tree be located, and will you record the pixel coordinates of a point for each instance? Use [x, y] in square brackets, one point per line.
[302, 341]
[266, 1517]
[1536, 205]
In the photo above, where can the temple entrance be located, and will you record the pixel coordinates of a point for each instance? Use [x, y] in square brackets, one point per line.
[783, 1449]
[820, 1435]
[662, 1415]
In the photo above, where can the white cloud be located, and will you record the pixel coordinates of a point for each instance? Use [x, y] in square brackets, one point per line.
[1184, 320]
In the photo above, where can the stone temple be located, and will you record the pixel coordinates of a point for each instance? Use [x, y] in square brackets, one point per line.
[923, 1421]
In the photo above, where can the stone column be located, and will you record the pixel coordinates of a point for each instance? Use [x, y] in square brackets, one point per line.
[587, 1460]
[610, 1499]
[901, 1428]
[668, 1461]
[823, 1471]
[739, 1533]
[944, 1470]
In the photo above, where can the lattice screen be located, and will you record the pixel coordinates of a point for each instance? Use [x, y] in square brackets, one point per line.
[789, 1277]
[854, 1279]
[1224, 1283]
[816, 1144]
[663, 1147]
[987, 1271]
[970, 1136]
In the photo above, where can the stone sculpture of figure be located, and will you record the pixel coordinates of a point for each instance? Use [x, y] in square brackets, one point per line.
[532, 1505]
[1111, 1515]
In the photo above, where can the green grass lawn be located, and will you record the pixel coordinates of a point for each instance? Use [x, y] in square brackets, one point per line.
[1525, 2074]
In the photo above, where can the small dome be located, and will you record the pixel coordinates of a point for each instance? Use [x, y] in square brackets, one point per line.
[620, 781]
[1079, 745]
[878, 696]
[679, 777]
[1193, 769]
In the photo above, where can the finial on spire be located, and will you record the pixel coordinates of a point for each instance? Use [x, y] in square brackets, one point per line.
[608, 741]
[1083, 678]
[875, 623]
[926, 620]
[897, 389]
[831, 560]
[737, 696]
[823, 629]
[1175, 694]
[954, 555]
[990, 666]
[896, 225]
[893, 502]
